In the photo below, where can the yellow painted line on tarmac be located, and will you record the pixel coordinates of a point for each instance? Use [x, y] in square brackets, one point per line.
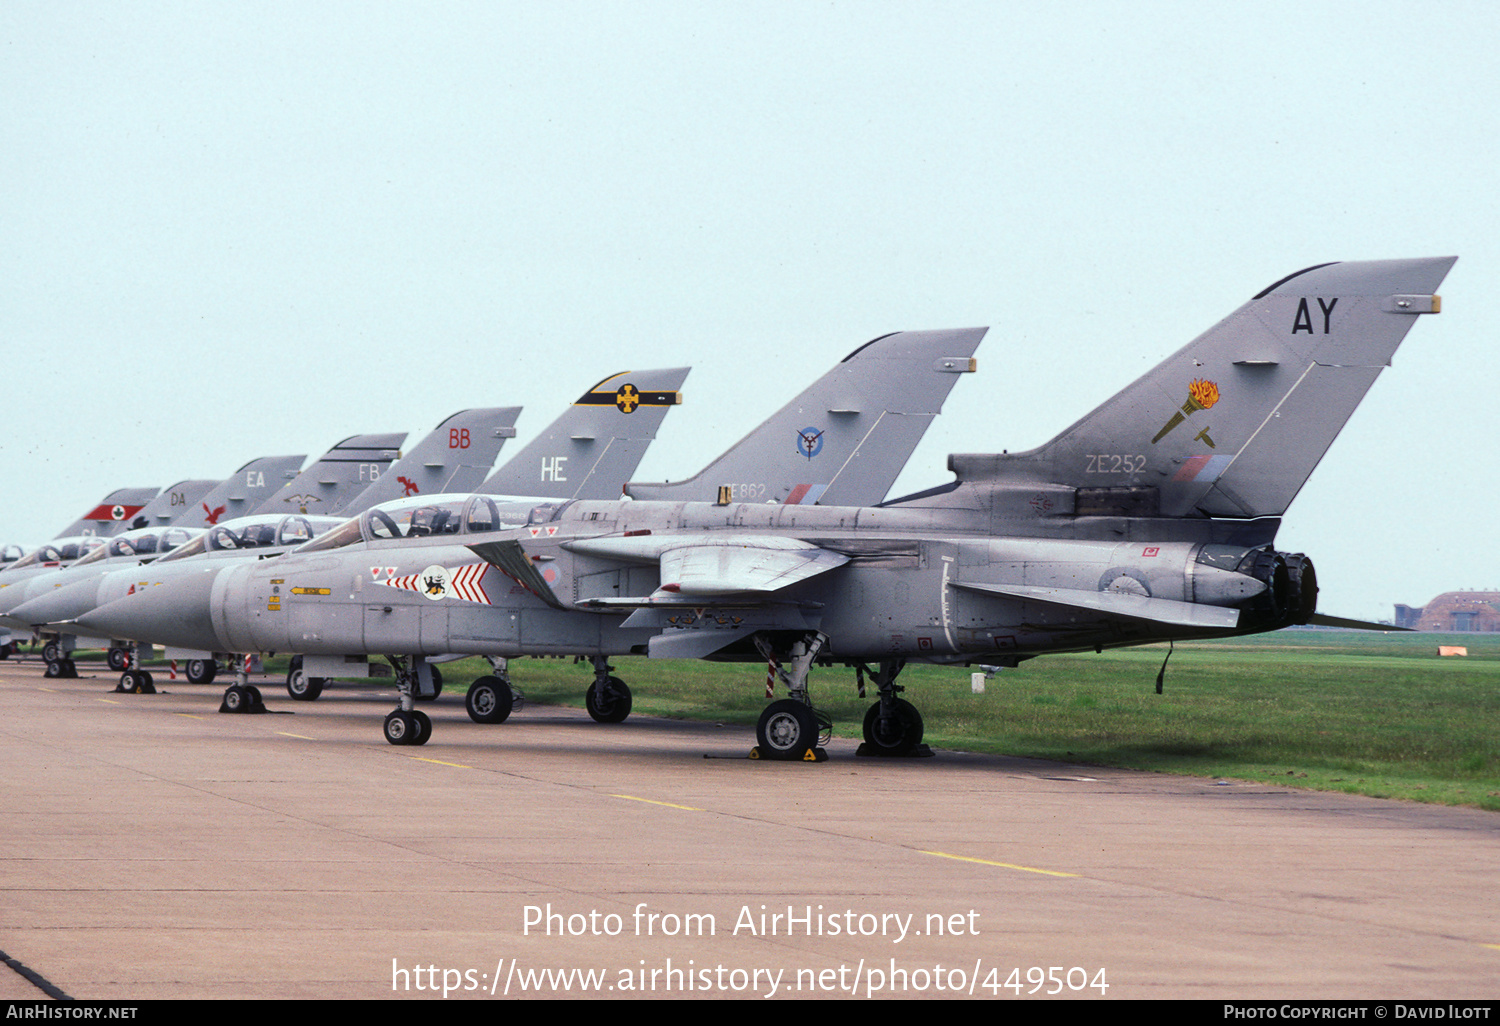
[1494, 946]
[439, 762]
[50, 691]
[111, 701]
[189, 716]
[1002, 865]
[648, 801]
[299, 737]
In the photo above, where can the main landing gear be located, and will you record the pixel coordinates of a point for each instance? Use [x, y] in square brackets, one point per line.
[492, 699]
[202, 671]
[791, 729]
[300, 686]
[608, 698]
[893, 726]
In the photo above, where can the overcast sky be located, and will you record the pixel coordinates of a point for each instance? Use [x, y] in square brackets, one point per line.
[229, 230]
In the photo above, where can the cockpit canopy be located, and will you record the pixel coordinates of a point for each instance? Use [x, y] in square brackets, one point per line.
[149, 541]
[425, 518]
[273, 530]
[59, 550]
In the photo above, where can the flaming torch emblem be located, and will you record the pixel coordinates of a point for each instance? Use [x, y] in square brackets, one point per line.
[1202, 394]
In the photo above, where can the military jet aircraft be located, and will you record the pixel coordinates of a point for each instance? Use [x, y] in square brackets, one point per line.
[849, 433]
[592, 448]
[1152, 518]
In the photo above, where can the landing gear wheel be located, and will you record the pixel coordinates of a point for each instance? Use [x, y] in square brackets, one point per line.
[424, 727]
[127, 683]
[54, 669]
[489, 700]
[614, 706]
[202, 671]
[787, 730]
[300, 686]
[116, 658]
[237, 699]
[52, 652]
[401, 728]
[255, 695]
[897, 734]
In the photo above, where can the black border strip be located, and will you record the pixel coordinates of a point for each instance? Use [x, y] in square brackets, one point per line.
[35, 979]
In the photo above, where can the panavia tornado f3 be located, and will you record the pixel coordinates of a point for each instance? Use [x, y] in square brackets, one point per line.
[1151, 519]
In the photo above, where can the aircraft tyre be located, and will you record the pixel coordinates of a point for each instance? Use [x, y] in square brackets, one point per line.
[300, 686]
[898, 734]
[54, 669]
[52, 652]
[787, 730]
[406, 728]
[236, 699]
[202, 671]
[116, 658]
[614, 706]
[489, 700]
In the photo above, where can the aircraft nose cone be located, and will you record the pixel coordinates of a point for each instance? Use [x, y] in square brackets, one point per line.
[57, 606]
[174, 613]
[13, 595]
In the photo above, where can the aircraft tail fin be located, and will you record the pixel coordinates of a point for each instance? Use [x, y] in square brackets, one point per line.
[339, 474]
[242, 492]
[173, 502]
[112, 515]
[592, 449]
[455, 457]
[1233, 424]
[845, 439]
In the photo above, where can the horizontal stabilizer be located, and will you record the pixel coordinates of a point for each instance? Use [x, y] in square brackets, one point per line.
[1109, 603]
[1320, 620]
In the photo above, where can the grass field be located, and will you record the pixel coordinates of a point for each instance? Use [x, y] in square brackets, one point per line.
[1373, 714]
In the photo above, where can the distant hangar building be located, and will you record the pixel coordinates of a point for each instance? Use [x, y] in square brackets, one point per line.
[1453, 611]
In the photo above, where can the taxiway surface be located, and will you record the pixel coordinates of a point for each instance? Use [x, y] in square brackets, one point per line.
[154, 848]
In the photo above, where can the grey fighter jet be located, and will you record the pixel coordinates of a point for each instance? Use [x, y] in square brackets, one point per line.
[1152, 518]
[599, 439]
[881, 398]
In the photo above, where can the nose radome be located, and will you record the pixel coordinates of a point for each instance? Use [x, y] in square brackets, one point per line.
[174, 613]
